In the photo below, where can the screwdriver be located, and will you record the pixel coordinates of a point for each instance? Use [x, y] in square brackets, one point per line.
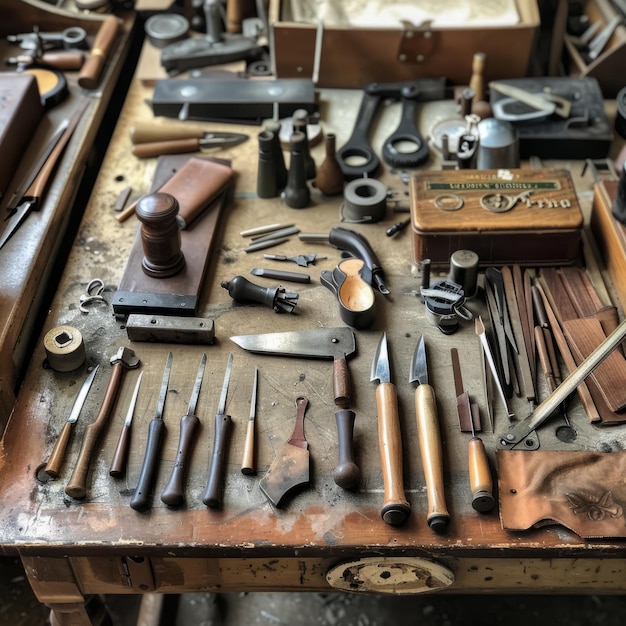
[173, 493]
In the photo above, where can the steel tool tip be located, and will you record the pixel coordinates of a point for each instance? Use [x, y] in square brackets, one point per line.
[419, 365]
[380, 365]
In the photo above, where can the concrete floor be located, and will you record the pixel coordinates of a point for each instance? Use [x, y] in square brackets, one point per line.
[19, 607]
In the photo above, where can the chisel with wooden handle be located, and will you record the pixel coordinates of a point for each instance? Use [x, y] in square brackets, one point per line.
[396, 507]
[429, 434]
[89, 76]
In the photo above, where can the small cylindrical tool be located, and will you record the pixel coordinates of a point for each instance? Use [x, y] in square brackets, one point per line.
[247, 463]
[347, 473]
[481, 483]
[89, 77]
[297, 194]
[267, 173]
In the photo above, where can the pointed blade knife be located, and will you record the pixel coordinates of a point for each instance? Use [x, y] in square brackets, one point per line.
[53, 467]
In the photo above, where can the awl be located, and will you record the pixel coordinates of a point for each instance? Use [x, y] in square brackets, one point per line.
[53, 467]
[118, 463]
[141, 497]
[429, 435]
[396, 507]
[182, 146]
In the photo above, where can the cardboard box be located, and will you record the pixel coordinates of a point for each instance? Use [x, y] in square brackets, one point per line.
[353, 57]
[526, 216]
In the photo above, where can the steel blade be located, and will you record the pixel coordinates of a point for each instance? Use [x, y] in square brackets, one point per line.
[320, 343]
[221, 409]
[254, 392]
[419, 366]
[381, 369]
[195, 393]
[133, 402]
[531, 99]
[164, 385]
[82, 396]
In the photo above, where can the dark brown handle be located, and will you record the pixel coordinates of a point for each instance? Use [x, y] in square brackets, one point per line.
[247, 463]
[64, 61]
[141, 498]
[77, 486]
[347, 473]
[90, 74]
[174, 146]
[341, 383]
[174, 492]
[481, 483]
[432, 456]
[53, 467]
[213, 493]
[396, 507]
[118, 464]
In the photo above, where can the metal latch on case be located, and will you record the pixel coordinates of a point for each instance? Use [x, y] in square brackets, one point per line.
[417, 42]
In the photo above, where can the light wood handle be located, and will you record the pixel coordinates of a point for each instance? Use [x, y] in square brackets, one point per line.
[247, 463]
[432, 456]
[173, 146]
[347, 473]
[89, 76]
[396, 507]
[53, 467]
[481, 483]
[149, 132]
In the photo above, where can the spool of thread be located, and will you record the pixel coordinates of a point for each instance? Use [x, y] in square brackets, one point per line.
[65, 348]
[365, 200]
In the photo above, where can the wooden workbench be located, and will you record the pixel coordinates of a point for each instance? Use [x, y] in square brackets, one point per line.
[72, 549]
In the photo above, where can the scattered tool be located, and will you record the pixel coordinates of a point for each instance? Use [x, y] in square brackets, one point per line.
[521, 432]
[290, 277]
[347, 473]
[301, 259]
[223, 425]
[262, 230]
[149, 132]
[429, 434]
[290, 469]
[125, 358]
[247, 463]
[30, 198]
[89, 77]
[242, 290]
[141, 497]
[358, 246]
[396, 507]
[543, 103]
[174, 492]
[180, 146]
[319, 343]
[55, 462]
[397, 227]
[481, 483]
[118, 464]
[264, 244]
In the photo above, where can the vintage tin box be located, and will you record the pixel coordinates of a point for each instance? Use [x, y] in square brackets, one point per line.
[351, 56]
[525, 216]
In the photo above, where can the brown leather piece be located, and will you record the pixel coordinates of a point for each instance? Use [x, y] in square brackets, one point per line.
[581, 490]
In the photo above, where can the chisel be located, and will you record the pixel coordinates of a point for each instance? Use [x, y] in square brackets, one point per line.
[223, 424]
[173, 494]
[141, 498]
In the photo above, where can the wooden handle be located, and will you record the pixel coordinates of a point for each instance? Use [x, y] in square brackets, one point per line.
[141, 498]
[347, 473]
[341, 383]
[148, 132]
[118, 463]
[174, 146]
[53, 467]
[77, 486]
[481, 483]
[247, 463]
[89, 76]
[174, 492]
[213, 493]
[432, 457]
[396, 507]
[65, 61]
[477, 81]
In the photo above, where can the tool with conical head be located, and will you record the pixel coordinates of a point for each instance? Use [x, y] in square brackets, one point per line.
[396, 507]
[429, 435]
[174, 492]
[290, 469]
[141, 498]
[53, 467]
[223, 425]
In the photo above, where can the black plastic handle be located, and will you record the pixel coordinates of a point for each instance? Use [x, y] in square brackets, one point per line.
[141, 498]
[347, 473]
[213, 493]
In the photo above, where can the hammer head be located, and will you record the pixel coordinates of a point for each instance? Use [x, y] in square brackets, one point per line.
[125, 357]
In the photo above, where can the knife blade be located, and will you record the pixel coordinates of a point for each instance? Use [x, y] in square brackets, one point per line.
[53, 467]
[141, 497]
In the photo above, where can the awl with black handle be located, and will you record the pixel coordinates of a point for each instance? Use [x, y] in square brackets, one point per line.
[141, 497]
[429, 435]
[223, 426]
[174, 492]
[396, 508]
